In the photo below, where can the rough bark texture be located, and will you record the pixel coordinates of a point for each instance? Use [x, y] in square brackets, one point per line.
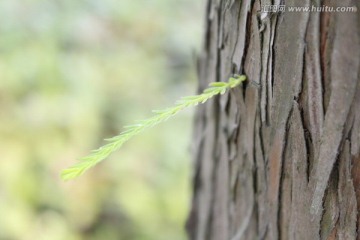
[279, 157]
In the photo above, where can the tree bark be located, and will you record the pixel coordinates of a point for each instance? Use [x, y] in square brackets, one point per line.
[278, 157]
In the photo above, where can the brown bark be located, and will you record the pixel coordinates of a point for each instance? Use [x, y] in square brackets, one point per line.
[279, 157]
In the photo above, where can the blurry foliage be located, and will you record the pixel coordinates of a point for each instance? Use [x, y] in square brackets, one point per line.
[73, 73]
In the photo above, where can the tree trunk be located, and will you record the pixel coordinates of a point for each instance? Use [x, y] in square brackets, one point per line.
[279, 157]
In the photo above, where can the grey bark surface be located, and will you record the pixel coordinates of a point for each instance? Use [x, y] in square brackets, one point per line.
[278, 157]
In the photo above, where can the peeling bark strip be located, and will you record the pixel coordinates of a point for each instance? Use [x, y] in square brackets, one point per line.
[344, 78]
[280, 160]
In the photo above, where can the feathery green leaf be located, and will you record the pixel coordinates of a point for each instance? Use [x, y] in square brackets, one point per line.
[130, 131]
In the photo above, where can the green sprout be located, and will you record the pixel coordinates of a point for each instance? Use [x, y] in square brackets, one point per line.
[160, 116]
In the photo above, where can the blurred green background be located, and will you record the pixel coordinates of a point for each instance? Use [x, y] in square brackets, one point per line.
[73, 73]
